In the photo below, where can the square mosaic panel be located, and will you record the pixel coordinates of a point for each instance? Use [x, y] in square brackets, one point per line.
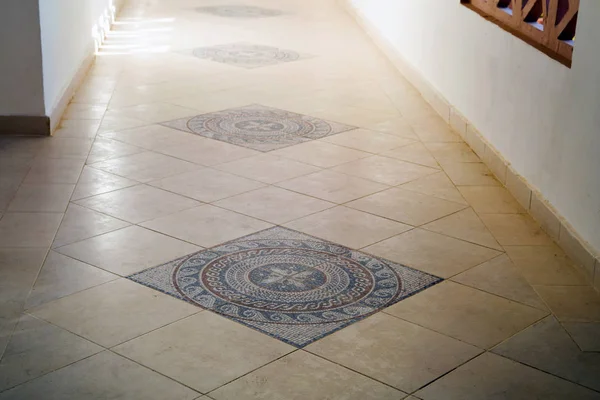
[286, 284]
[258, 127]
[247, 55]
[239, 11]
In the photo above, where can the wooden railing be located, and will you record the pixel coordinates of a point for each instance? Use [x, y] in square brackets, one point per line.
[549, 25]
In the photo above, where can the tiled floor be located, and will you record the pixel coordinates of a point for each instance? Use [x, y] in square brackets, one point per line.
[332, 237]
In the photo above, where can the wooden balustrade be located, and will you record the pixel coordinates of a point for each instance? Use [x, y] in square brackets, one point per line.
[549, 25]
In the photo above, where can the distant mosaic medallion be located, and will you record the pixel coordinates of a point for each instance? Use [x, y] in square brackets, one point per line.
[288, 285]
[247, 55]
[239, 11]
[258, 127]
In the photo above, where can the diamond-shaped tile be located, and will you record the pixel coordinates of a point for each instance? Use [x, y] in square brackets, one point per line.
[286, 284]
[247, 55]
[258, 127]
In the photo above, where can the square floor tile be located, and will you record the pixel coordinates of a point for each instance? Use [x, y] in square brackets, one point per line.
[247, 55]
[469, 174]
[406, 206]
[366, 140]
[415, 153]
[348, 227]
[572, 303]
[516, 230]
[264, 268]
[321, 154]
[436, 185]
[267, 168]
[127, 250]
[65, 147]
[394, 351]
[333, 186]
[138, 203]
[36, 348]
[493, 377]
[93, 182]
[207, 184]
[206, 225]
[145, 167]
[42, 197]
[585, 334]
[54, 170]
[491, 200]
[61, 276]
[102, 376]
[225, 352]
[467, 314]
[259, 128]
[548, 347]
[431, 252]
[385, 170]
[28, 229]
[105, 149]
[207, 152]
[304, 376]
[114, 312]
[452, 152]
[274, 205]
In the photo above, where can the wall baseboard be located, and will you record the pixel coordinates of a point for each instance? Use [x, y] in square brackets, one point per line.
[24, 125]
[69, 92]
[585, 257]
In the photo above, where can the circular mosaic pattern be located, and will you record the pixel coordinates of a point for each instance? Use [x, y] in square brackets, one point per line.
[246, 55]
[258, 126]
[287, 281]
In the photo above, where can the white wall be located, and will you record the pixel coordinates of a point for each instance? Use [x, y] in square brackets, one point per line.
[543, 117]
[21, 90]
[69, 30]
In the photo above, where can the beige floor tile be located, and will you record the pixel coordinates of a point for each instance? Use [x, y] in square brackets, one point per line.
[548, 347]
[267, 168]
[28, 229]
[94, 182]
[145, 167]
[434, 129]
[37, 348]
[154, 112]
[585, 334]
[84, 125]
[493, 377]
[128, 250]
[572, 303]
[366, 140]
[394, 351]
[470, 174]
[55, 170]
[348, 227]
[433, 253]
[545, 265]
[406, 206]
[415, 153]
[304, 376]
[385, 170]
[466, 314]
[81, 223]
[77, 111]
[114, 312]
[452, 152]
[138, 203]
[333, 186]
[66, 147]
[490, 200]
[500, 277]
[227, 351]
[437, 185]
[61, 276]
[516, 230]
[102, 376]
[321, 154]
[105, 149]
[206, 225]
[112, 123]
[42, 197]
[464, 225]
[207, 152]
[152, 137]
[207, 184]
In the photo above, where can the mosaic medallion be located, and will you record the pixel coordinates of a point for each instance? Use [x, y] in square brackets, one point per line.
[247, 55]
[288, 285]
[239, 11]
[258, 127]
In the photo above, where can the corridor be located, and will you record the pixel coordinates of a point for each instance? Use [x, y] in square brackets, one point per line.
[246, 200]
